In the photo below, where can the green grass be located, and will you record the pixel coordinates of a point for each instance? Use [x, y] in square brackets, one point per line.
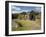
[24, 22]
[22, 28]
[28, 25]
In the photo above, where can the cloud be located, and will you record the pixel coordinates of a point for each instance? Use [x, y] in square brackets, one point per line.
[25, 10]
[37, 9]
[13, 12]
[16, 8]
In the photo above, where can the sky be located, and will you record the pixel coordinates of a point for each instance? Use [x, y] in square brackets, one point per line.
[19, 9]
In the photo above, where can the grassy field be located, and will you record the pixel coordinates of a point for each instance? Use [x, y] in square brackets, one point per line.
[28, 25]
